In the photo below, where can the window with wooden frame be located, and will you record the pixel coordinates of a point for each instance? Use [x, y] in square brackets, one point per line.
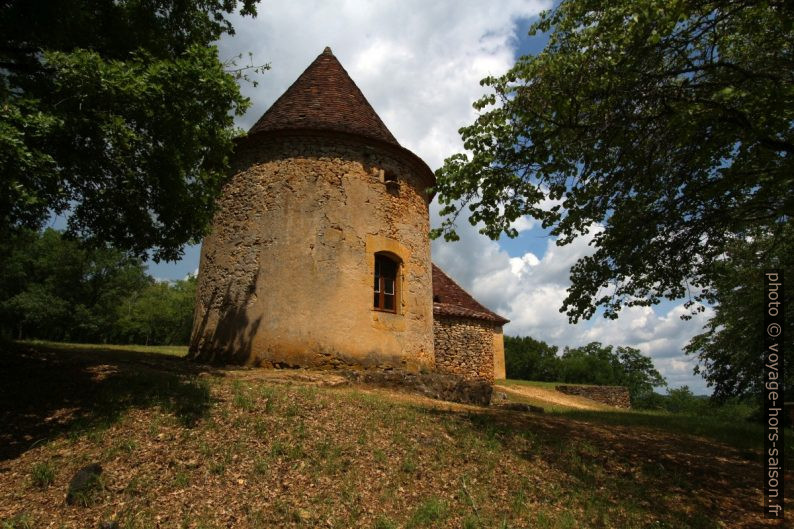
[386, 282]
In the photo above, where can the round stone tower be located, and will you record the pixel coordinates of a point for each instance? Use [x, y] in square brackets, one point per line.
[319, 252]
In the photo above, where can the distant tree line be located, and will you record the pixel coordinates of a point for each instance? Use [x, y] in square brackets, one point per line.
[53, 287]
[530, 359]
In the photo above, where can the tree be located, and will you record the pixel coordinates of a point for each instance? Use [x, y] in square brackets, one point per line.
[731, 348]
[682, 400]
[161, 313]
[56, 288]
[530, 359]
[592, 363]
[595, 363]
[662, 128]
[638, 374]
[118, 114]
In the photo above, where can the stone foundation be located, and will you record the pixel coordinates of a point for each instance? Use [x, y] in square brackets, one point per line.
[465, 346]
[617, 396]
[440, 386]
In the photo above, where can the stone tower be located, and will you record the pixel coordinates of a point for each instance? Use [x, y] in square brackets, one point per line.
[319, 254]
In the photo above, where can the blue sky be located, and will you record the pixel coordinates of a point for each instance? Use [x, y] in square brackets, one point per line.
[419, 64]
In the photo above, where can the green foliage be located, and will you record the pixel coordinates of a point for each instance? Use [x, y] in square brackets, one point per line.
[18, 521]
[42, 474]
[590, 364]
[598, 364]
[638, 373]
[428, 513]
[119, 114]
[162, 313]
[594, 363]
[682, 400]
[383, 522]
[731, 348]
[56, 288]
[530, 359]
[642, 123]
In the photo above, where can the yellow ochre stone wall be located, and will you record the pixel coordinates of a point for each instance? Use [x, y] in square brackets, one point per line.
[499, 354]
[286, 274]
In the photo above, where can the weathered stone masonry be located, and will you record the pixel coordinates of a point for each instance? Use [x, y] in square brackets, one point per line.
[467, 336]
[286, 274]
[617, 396]
[464, 346]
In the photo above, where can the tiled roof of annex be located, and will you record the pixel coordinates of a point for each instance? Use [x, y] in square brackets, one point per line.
[449, 299]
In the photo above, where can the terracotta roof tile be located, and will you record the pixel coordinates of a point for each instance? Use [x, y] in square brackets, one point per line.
[451, 300]
[324, 97]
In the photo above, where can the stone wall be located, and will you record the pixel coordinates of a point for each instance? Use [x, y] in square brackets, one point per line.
[443, 386]
[499, 367]
[617, 396]
[286, 273]
[465, 346]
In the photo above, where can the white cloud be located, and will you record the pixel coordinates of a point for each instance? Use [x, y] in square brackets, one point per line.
[418, 63]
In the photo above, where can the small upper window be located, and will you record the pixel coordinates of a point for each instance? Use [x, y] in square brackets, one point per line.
[386, 283]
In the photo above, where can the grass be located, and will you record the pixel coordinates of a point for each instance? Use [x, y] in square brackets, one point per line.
[168, 350]
[183, 449]
[383, 522]
[536, 384]
[427, 514]
[43, 474]
[546, 405]
[87, 492]
[19, 521]
[737, 431]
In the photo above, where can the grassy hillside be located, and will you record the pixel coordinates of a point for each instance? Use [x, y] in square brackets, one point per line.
[720, 425]
[183, 445]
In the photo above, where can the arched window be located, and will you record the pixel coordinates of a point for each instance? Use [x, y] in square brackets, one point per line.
[386, 284]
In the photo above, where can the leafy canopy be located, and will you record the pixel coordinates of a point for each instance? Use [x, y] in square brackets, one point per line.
[118, 114]
[593, 363]
[663, 128]
[731, 349]
[58, 288]
[530, 359]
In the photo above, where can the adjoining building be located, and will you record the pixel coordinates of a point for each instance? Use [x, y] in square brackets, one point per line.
[319, 254]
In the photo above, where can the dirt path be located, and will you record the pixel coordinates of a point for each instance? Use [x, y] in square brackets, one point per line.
[552, 397]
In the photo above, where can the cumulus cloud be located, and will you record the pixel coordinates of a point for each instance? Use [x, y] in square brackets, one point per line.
[418, 63]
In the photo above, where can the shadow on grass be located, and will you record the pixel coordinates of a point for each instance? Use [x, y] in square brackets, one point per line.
[721, 426]
[624, 477]
[46, 390]
[738, 433]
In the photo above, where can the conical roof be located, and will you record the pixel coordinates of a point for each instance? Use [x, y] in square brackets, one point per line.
[324, 97]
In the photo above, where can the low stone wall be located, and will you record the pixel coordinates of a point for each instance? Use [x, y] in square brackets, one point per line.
[440, 386]
[464, 346]
[617, 396]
